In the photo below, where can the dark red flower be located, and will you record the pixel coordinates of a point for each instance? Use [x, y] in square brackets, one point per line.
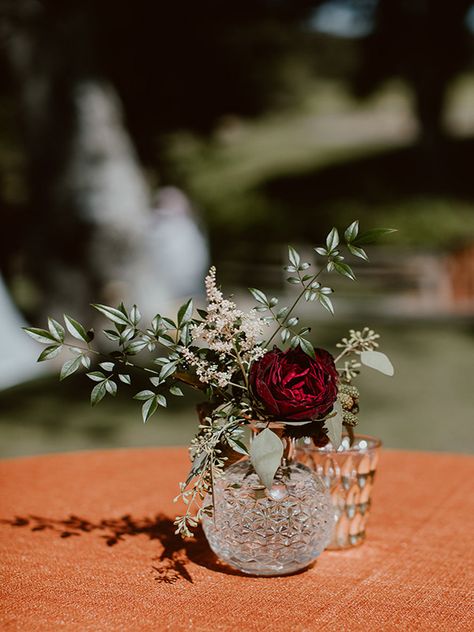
[293, 386]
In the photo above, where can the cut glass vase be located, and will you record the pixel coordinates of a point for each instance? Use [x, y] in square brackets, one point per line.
[273, 531]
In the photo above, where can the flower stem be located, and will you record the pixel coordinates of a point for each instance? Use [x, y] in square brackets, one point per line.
[298, 298]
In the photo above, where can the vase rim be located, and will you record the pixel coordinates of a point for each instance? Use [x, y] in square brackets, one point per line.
[371, 443]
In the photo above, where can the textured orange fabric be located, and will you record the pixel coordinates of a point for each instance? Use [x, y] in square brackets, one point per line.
[87, 544]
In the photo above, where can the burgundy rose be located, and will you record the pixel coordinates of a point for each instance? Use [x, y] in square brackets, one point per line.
[293, 386]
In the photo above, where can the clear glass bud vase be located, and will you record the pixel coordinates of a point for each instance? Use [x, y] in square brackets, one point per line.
[348, 473]
[273, 531]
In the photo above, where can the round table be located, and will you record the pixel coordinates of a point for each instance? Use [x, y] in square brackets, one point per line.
[87, 543]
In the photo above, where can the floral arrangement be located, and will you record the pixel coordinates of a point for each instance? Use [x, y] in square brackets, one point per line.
[231, 356]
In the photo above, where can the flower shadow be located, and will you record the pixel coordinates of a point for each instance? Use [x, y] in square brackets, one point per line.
[168, 567]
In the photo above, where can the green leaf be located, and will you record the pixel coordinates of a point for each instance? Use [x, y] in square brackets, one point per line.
[258, 295]
[285, 335]
[237, 446]
[372, 235]
[135, 347]
[76, 329]
[326, 303]
[293, 321]
[332, 240]
[98, 393]
[56, 329]
[293, 280]
[96, 376]
[167, 370]
[294, 257]
[166, 340]
[334, 425]
[175, 390]
[112, 314]
[307, 347]
[155, 380]
[69, 367]
[344, 269]
[358, 252]
[378, 361]
[352, 231]
[149, 408]
[86, 361]
[161, 399]
[142, 395]
[111, 387]
[49, 353]
[135, 315]
[107, 366]
[40, 335]
[282, 312]
[112, 335]
[266, 451]
[123, 377]
[321, 251]
[185, 313]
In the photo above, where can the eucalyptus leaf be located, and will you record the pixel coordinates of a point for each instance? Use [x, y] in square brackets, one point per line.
[378, 361]
[123, 377]
[266, 451]
[334, 425]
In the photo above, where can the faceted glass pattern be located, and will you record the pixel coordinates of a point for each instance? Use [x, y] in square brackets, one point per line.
[269, 532]
[348, 473]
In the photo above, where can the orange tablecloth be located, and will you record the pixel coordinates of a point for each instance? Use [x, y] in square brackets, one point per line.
[87, 544]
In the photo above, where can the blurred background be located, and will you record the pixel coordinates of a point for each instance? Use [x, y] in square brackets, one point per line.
[140, 141]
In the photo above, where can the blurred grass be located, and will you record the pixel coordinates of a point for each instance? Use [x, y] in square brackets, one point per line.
[427, 405]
